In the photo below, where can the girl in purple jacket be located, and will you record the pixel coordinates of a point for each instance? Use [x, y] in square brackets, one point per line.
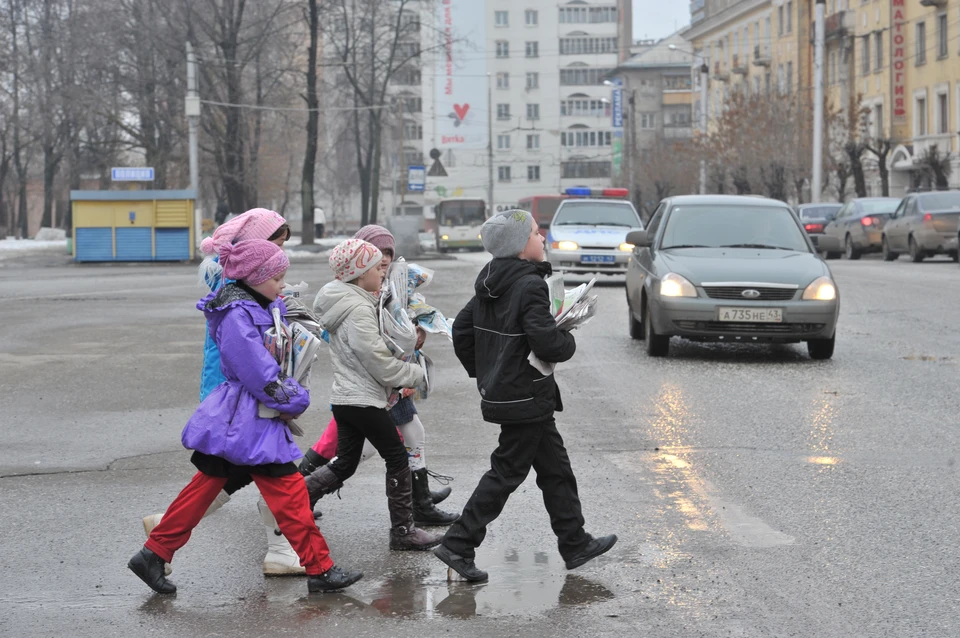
[230, 440]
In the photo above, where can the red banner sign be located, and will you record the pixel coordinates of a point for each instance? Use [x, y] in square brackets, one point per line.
[898, 61]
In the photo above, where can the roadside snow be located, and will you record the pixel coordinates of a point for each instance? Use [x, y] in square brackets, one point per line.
[11, 244]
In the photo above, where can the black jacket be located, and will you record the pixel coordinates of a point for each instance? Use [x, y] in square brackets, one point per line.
[494, 334]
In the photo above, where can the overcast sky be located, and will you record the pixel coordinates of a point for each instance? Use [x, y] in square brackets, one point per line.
[659, 18]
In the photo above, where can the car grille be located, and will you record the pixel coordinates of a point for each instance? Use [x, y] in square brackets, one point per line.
[736, 292]
[725, 327]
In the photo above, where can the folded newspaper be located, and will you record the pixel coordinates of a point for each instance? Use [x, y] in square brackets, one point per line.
[570, 308]
[294, 347]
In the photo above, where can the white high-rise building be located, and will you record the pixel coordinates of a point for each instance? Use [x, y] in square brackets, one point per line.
[541, 65]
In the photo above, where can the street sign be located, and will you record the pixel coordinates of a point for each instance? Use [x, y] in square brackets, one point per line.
[130, 174]
[416, 178]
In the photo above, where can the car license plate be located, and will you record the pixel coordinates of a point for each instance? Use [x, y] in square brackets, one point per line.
[598, 259]
[751, 315]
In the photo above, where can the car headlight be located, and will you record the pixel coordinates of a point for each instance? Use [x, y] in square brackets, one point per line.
[673, 285]
[564, 245]
[626, 248]
[822, 289]
[444, 237]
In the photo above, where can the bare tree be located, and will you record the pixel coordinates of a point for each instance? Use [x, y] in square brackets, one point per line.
[313, 117]
[936, 168]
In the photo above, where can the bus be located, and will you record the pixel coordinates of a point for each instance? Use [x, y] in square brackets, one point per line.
[542, 207]
[458, 222]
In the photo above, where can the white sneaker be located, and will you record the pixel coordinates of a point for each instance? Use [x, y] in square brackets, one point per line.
[280, 560]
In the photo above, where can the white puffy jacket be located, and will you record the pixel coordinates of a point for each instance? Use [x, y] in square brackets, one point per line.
[364, 370]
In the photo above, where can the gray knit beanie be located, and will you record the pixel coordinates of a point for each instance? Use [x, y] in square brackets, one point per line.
[506, 234]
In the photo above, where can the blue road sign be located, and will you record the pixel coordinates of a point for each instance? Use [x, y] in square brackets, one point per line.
[416, 178]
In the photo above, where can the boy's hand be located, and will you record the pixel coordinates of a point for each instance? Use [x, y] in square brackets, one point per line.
[421, 337]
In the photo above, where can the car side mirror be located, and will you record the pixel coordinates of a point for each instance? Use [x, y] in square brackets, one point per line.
[639, 238]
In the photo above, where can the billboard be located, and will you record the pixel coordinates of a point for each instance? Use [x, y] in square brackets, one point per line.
[461, 75]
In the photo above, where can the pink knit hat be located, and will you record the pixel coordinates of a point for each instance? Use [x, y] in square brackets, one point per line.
[354, 257]
[379, 237]
[256, 223]
[254, 261]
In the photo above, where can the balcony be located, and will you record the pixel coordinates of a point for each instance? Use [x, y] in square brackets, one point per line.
[739, 65]
[677, 132]
[933, 3]
[761, 55]
[836, 26]
[719, 73]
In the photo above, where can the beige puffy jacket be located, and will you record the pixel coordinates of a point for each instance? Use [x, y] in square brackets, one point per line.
[364, 370]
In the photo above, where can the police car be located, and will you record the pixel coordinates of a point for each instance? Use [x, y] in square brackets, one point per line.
[588, 233]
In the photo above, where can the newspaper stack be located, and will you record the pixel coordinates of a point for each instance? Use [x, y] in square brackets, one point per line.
[570, 308]
[294, 347]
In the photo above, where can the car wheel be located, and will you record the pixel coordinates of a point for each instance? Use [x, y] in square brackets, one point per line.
[888, 255]
[657, 345]
[851, 251]
[916, 255]
[821, 349]
[636, 328]
[955, 256]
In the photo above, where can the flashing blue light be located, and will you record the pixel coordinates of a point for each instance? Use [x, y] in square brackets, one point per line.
[579, 191]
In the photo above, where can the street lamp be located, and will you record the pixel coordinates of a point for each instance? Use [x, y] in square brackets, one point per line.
[704, 76]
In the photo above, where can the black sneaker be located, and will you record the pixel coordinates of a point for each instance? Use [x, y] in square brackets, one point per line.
[460, 564]
[332, 580]
[593, 549]
[149, 567]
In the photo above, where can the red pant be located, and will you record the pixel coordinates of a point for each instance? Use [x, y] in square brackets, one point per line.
[286, 496]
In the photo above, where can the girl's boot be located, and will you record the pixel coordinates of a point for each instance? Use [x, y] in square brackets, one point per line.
[280, 560]
[424, 511]
[404, 535]
[438, 496]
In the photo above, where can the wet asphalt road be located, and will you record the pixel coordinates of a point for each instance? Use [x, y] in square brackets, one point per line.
[755, 492]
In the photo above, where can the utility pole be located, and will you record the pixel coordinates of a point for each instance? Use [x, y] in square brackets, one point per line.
[403, 156]
[816, 185]
[704, 76]
[192, 110]
[490, 207]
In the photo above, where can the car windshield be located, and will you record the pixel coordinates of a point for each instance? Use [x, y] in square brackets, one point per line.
[726, 226]
[940, 201]
[597, 214]
[879, 206]
[819, 212]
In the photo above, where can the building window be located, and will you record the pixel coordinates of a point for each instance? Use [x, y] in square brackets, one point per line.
[412, 104]
[533, 142]
[412, 131]
[780, 19]
[878, 121]
[503, 142]
[412, 158]
[503, 80]
[533, 173]
[580, 169]
[789, 16]
[585, 137]
[832, 68]
[503, 49]
[533, 111]
[533, 80]
[943, 47]
[878, 50]
[503, 173]
[582, 76]
[921, 43]
[502, 18]
[943, 114]
[407, 77]
[920, 106]
[865, 58]
[585, 107]
[648, 120]
[789, 78]
[584, 15]
[587, 45]
[531, 17]
[677, 83]
[503, 111]
[533, 49]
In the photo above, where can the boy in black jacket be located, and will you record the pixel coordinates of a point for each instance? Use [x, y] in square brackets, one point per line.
[493, 336]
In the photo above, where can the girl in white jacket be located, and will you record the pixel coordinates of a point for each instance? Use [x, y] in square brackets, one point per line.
[364, 374]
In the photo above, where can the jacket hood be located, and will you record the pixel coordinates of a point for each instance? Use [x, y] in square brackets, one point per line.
[337, 300]
[499, 274]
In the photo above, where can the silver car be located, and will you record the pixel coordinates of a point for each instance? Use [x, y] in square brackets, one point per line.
[925, 224]
[730, 269]
[859, 225]
[590, 236]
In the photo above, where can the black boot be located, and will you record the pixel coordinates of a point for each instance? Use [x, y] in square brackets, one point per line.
[593, 549]
[320, 482]
[149, 567]
[424, 511]
[439, 496]
[332, 580]
[460, 564]
[404, 535]
[310, 463]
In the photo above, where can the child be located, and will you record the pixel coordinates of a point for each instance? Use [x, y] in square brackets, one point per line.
[364, 373]
[230, 440]
[403, 414]
[257, 223]
[507, 319]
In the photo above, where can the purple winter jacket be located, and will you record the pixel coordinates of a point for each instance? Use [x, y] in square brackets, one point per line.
[226, 423]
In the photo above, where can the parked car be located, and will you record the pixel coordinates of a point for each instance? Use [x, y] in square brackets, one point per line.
[732, 269]
[859, 225]
[589, 234]
[924, 224]
[815, 217]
